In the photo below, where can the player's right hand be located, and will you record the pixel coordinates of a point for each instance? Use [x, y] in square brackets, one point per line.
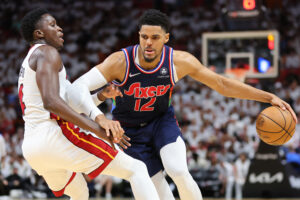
[112, 128]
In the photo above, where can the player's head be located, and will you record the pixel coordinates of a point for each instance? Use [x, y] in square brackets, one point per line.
[39, 25]
[154, 33]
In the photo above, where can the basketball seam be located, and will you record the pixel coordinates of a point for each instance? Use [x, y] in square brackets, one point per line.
[269, 131]
[275, 123]
[290, 123]
[282, 116]
[286, 132]
[284, 122]
[272, 121]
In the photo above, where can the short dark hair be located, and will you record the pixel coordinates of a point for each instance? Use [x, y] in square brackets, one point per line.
[29, 21]
[155, 18]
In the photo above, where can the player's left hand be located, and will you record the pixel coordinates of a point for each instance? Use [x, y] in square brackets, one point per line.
[112, 128]
[110, 91]
[124, 142]
[276, 101]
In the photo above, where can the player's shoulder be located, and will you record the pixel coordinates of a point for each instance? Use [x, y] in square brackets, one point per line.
[45, 51]
[181, 56]
[116, 58]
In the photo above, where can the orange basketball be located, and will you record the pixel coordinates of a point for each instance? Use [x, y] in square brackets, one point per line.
[275, 126]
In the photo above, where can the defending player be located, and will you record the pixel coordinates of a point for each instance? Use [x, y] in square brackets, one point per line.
[53, 146]
[146, 74]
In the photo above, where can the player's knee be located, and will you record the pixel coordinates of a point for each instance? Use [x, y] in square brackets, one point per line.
[73, 190]
[139, 169]
[81, 194]
[174, 172]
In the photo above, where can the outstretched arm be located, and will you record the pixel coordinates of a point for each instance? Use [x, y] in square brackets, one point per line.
[96, 78]
[187, 64]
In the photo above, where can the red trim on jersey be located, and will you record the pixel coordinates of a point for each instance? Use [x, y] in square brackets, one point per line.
[62, 191]
[127, 70]
[88, 143]
[134, 50]
[22, 104]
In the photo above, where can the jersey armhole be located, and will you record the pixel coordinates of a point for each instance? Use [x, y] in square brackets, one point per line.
[126, 72]
[173, 75]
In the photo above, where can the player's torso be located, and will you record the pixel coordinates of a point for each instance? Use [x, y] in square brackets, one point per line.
[146, 93]
[30, 98]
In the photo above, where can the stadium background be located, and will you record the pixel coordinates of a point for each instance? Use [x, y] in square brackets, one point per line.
[216, 129]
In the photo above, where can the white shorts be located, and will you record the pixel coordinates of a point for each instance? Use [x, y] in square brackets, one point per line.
[56, 149]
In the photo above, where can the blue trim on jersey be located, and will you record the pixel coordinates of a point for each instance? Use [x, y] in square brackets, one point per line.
[171, 66]
[162, 58]
[127, 69]
[146, 96]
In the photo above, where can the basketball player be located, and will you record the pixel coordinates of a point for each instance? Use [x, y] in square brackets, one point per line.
[53, 146]
[146, 74]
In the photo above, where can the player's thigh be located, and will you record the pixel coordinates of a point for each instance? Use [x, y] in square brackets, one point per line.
[74, 150]
[57, 179]
[124, 166]
[173, 157]
[167, 131]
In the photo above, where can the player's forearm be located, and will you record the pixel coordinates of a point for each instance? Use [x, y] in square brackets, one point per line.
[82, 101]
[61, 109]
[236, 89]
[98, 98]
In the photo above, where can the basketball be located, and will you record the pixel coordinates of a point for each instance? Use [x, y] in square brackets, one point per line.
[275, 126]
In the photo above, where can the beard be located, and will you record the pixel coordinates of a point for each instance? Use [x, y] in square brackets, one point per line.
[149, 60]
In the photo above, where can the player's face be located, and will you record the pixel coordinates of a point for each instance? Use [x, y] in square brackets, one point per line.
[152, 40]
[50, 31]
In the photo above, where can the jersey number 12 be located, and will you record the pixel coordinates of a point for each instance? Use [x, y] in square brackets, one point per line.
[146, 106]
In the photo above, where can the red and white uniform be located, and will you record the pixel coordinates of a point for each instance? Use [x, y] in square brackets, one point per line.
[55, 148]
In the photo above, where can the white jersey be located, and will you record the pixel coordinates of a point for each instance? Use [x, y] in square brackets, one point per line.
[55, 148]
[30, 97]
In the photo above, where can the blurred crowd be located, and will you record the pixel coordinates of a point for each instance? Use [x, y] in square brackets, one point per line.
[219, 132]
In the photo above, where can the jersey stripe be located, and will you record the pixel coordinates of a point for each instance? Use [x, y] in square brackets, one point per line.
[127, 69]
[162, 59]
[62, 191]
[171, 66]
[87, 142]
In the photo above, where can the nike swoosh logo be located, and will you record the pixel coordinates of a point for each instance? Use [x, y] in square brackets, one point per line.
[132, 75]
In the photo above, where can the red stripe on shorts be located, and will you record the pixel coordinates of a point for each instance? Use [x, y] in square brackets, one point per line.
[61, 192]
[88, 143]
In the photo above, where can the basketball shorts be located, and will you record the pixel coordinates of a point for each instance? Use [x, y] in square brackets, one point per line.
[56, 149]
[146, 141]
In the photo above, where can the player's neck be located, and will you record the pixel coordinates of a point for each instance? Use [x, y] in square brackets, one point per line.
[147, 65]
[38, 42]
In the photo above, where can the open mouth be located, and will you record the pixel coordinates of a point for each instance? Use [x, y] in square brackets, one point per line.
[149, 51]
[61, 38]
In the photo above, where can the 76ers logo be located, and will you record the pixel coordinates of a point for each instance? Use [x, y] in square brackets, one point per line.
[163, 71]
[146, 92]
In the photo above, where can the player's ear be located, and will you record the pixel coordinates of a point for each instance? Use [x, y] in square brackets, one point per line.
[167, 36]
[38, 34]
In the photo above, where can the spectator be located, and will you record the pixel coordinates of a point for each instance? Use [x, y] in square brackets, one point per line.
[241, 167]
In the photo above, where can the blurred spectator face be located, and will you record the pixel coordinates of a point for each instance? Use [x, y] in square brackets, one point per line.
[152, 40]
[243, 157]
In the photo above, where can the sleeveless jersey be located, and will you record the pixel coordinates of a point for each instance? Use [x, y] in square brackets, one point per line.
[146, 93]
[30, 98]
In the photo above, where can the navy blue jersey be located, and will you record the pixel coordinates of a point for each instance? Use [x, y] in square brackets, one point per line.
[146, 93]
